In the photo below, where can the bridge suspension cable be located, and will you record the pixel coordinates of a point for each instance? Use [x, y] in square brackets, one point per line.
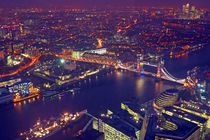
[169, 74]
[170, 77]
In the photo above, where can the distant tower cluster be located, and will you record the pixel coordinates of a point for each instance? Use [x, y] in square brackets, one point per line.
[190, 12]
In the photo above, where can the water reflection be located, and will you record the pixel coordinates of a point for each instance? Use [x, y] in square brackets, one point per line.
[119, 75]
[140, 86]
[158, 87]
[18, 107]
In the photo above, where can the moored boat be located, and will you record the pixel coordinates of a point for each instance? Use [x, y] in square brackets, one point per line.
[46, 128]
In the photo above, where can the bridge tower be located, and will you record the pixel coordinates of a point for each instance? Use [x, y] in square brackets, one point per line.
[138, 63]
[139, 67]
[159, 67]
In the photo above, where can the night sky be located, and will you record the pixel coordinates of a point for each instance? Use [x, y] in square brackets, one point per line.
[102, 3]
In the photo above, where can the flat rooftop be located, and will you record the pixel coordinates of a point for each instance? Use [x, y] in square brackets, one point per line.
[185, 128]
[186, 114]
[119, 125]
[128, 118]
[135, 107]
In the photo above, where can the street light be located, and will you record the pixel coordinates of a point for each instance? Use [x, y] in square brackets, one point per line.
[62, 61]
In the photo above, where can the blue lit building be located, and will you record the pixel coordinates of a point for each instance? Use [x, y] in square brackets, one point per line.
[24, 88]
[200, 76]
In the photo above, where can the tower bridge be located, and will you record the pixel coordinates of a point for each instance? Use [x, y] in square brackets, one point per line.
[162, 72]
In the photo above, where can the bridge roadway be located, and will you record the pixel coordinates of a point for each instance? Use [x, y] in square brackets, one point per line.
[164, 73]
[143, 72]
[149, 64]
[153, 74]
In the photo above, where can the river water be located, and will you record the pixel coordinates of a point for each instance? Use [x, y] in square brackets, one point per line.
[97, 94]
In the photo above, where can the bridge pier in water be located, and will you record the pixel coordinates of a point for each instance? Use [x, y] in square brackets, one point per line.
[159, 67]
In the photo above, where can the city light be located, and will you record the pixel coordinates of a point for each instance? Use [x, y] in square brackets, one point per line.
[62, 61]
[151, 61]
[99, 43]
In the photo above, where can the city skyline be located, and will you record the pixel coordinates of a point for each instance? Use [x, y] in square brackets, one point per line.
[104, 70]
[101, 3]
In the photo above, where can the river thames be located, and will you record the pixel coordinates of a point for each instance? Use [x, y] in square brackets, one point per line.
[97, 94]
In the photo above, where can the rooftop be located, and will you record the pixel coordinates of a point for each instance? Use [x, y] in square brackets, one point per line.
[119, 125]
[185, 128]
[187, 115]
[135, 107]
[128, 118]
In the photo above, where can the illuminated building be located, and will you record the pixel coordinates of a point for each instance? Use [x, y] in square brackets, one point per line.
[188, 116]
[185, 130]
[138, 113]
[18, 46]
[9, 60]
[62, 71]
[167, 98]
[2, 53]
[165, 105]
[14, 60]
[133, 109]
[202, 89]
[99, 51]
[193, 8]
[23, 91]
[190, 12]
[127, 123]
[187, 8]
[76, 54]
[69, 78]
[202, 86]
[24, 87]
[112, 125]
[119, 125]
[9, 81]
[105, 59]
[199, 80]
[79, 54]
